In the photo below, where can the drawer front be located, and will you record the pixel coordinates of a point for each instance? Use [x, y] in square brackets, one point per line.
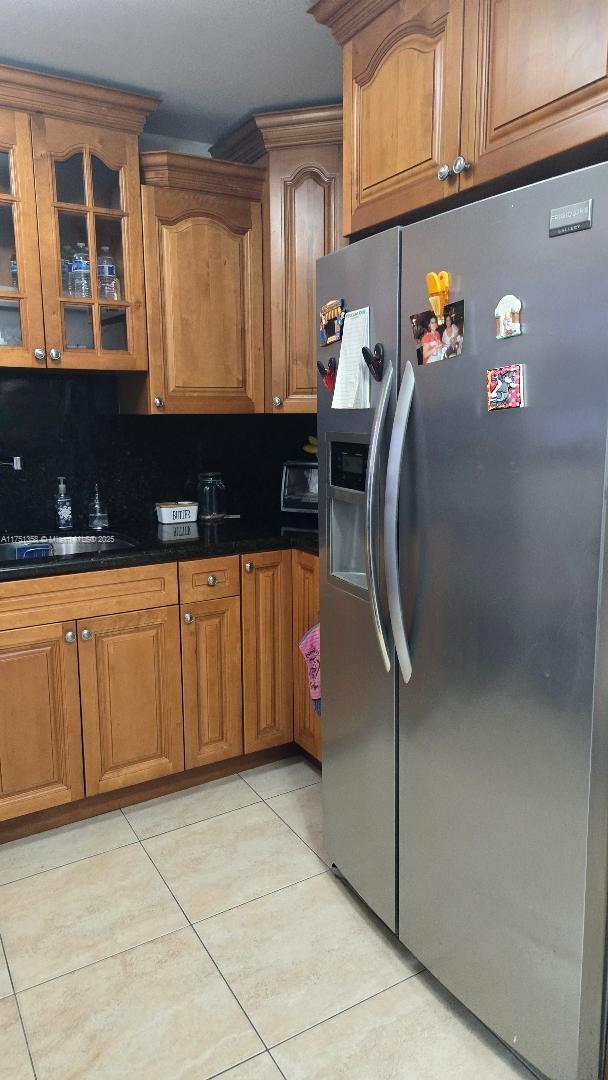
[209, 579]
[78, 596]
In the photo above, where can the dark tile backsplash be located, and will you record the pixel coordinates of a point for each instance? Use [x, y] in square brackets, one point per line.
[64, 424]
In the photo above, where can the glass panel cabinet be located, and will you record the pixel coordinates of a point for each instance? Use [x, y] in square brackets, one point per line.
[21, 323]
[87, 186]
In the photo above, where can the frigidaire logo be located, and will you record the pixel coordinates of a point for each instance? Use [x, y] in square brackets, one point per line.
[572, 218]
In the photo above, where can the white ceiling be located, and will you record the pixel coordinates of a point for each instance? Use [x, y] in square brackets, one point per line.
[213, 62]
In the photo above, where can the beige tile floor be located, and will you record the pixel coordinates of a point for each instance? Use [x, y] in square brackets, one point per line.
[202, 934]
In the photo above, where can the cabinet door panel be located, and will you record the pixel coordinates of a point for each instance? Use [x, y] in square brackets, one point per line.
[40, 741]
[21, 324]
[87, 191]
[535, 76]
[204, 281]
[402, 83]
[211, 666]
[131, 698]
[306, 722]
[305, 193]
[267, 650]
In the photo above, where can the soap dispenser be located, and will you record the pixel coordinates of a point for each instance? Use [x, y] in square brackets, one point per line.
[98, 515]
[63, 505]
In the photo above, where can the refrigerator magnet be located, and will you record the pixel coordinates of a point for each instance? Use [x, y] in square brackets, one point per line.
[331, 321]
[505, 387]
[439, 337]
[508, 317]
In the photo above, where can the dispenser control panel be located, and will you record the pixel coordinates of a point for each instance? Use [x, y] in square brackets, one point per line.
[349, 465]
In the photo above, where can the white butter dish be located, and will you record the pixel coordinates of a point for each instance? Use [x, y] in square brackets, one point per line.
[169, 512]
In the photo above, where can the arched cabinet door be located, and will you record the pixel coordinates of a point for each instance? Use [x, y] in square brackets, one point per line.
[402, 86]
[203, 260]
[89, 215]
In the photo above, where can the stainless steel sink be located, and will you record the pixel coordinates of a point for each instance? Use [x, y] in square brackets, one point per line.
[62, 546]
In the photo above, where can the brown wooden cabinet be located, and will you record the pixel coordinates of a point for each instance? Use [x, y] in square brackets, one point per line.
[305, 577]
[267, 649]
[69, 176]
[203, 261]
[40, 745]
[130, 690]
[211, 674]
[301, 150]
[476, 88]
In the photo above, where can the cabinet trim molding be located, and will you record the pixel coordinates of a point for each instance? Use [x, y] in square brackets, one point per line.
[280, 130]
[165, 169]
[72, 99]
[346, 18]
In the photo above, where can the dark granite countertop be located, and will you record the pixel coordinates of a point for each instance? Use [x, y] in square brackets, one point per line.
[155, 543]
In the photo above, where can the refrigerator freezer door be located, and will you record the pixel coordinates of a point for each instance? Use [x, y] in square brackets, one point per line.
[358, 694]
[502, 729]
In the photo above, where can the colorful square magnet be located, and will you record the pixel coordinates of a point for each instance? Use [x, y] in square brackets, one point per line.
[505, 387]
[331, 321]
[508, 317]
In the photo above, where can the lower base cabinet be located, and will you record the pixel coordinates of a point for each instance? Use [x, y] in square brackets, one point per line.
[211, 676]
[306, 722]
[267, 645]
[40, 744]
[130, 687]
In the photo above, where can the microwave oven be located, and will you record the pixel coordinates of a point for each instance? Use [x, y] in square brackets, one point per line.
[300, 487]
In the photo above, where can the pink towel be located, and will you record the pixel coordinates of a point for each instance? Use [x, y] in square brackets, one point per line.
[310, 647]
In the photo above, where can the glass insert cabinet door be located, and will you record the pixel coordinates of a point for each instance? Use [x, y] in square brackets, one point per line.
[88, 197]
[21, 320]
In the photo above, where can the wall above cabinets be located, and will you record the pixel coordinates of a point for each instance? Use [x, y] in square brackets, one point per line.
[71, 274]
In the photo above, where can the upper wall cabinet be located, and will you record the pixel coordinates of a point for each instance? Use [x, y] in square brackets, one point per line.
[443, 95]
[71, 267]
[301, 150]
[203, 260]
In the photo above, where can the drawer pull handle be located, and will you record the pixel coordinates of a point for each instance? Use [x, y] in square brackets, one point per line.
[212, 580]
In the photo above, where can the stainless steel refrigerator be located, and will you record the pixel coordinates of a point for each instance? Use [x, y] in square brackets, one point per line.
[466, 769]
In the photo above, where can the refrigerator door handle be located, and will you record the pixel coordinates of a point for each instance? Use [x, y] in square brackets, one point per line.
[391, 519]
[370, 503]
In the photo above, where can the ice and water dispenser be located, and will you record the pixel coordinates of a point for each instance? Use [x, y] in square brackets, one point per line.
[346, 509]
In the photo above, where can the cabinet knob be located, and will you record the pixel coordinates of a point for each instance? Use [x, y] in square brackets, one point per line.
[212, 580]
[249, 568]
[54, 354]
[40, 354]
[277, 401]
[444, 171]
[70, 637]
[159, 402]
[86, 635]
[460, 165]
[188, 618]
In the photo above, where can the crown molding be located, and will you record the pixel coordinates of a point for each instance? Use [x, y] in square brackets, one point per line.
[346, 18]
[163, 168]
[280, 129]
[86, 103]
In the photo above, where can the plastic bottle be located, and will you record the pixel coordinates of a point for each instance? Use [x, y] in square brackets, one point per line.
[63, 505]
[98, 515]
[81, 271]
[108, 285]
[13, 270]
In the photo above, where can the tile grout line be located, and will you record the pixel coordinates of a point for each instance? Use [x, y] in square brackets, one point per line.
[197, 821]
[342, 1012]
[276, 795]
[264, 896]
[206, 950]
[72, 862]
[292, 828]
[276, 1064]
[245, 1061]
[18, 1005]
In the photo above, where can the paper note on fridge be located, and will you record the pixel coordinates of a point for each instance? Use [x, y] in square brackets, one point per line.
[352, 380]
